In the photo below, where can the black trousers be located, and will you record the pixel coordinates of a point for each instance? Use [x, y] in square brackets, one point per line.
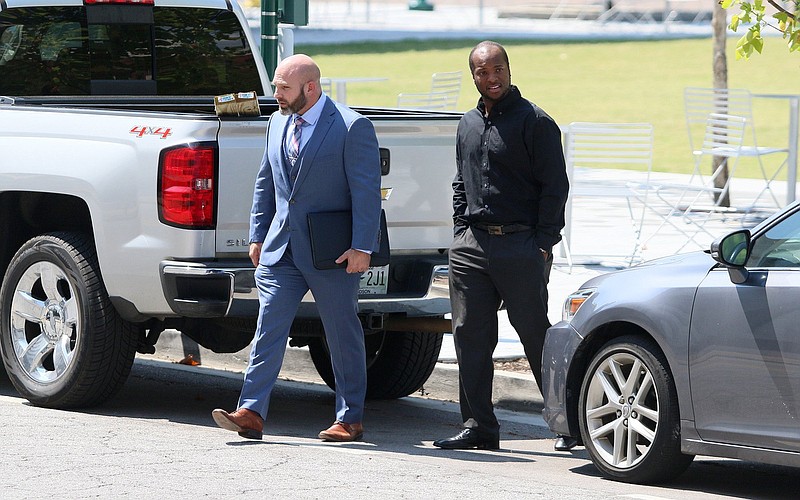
[485, 270]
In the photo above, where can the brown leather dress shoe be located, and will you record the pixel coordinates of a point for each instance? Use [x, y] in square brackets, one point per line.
[342, 431]
[247, 423]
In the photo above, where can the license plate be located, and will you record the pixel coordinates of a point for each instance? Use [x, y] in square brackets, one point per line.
[374, 281]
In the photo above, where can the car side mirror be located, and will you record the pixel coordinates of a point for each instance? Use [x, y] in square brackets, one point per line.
[732, 251]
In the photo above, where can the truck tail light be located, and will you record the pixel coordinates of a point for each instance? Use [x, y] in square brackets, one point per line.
[187, 186]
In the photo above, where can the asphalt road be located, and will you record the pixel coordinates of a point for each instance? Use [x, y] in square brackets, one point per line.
[156, 439]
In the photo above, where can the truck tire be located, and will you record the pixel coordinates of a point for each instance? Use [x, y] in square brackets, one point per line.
[63, 344]
[398, 363]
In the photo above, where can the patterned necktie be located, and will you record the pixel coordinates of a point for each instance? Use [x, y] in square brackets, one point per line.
[294, 140]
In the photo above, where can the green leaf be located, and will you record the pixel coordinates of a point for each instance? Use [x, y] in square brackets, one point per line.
[743, 47]
[794, 41]
[758, 44]
[726, 3]
[734, 23]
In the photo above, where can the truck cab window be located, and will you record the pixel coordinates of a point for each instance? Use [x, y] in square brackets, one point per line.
[202, 52]
[43, 52]
[120, 52]
[10, 38]
[180, 51]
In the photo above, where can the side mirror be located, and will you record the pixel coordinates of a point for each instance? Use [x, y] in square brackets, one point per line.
[732, 251]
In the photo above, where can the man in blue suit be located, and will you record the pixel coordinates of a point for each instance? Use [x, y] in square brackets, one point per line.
[320, 156]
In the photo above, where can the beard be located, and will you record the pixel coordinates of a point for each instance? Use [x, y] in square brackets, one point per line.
[293, 106]
[486, 96]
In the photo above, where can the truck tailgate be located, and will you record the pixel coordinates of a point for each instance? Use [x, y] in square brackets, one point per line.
[419, 207]
[418, 188]
[241, 146]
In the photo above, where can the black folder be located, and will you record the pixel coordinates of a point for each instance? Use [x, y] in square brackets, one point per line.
[331, 234]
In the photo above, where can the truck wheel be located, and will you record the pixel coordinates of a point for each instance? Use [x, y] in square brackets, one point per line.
[398, 363]
[63, 344]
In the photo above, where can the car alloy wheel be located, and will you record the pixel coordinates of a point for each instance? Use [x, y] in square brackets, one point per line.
[622, 409]
[628, 413]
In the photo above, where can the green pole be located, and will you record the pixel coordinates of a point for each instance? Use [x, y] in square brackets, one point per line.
[269, 35]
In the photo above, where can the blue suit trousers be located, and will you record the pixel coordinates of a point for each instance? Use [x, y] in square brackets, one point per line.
[281, 287]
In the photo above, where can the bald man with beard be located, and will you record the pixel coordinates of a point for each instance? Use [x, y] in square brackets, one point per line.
[320, 157]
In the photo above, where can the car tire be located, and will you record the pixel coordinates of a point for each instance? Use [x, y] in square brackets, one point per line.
[628, 413]
[398, 363]
[63, 343]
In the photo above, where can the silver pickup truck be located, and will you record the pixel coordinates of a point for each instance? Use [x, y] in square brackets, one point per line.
[125, 199]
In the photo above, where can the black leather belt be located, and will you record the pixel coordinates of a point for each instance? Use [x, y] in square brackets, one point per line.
[500, 229]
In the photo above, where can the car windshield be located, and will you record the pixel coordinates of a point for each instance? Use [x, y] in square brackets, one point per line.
[779, 246]
[64, 51]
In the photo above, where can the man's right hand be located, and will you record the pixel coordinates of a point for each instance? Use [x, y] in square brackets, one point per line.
[255, 253]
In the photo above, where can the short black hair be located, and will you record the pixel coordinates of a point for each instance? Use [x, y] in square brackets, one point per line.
[488, 43]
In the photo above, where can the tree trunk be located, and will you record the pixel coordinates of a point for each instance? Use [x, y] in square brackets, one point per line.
[719, 25]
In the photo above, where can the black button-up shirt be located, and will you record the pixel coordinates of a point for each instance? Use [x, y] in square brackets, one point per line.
[511, 169]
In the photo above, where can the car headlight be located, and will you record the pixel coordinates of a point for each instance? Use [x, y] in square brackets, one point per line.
[574, 302]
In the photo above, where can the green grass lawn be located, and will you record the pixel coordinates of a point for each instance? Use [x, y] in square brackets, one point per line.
[601, 81]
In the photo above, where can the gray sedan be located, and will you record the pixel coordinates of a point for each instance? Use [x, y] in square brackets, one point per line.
[696, 354]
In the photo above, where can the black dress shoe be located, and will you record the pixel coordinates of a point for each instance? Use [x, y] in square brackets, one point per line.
[469, 438]
[565, 443]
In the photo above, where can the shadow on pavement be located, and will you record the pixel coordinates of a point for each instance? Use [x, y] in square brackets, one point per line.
[298, 411]
[725, 477]
[160, 391]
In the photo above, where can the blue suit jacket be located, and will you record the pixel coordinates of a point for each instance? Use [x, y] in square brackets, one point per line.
[339, 170]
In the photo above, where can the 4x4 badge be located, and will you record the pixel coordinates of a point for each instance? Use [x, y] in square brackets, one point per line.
[143, 131]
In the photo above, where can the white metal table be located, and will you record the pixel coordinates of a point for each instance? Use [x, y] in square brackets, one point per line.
[341, 84]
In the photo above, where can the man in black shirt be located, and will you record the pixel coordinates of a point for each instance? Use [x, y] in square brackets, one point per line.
[509, 195]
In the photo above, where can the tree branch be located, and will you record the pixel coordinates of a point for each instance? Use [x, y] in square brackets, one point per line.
[780, 8]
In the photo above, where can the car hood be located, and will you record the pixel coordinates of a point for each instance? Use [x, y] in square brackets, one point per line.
[686, 264]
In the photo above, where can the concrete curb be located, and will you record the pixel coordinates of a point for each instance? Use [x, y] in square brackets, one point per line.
[512, 391]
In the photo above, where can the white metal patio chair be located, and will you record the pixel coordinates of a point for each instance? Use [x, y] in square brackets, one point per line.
[444, 93]
[592, 147]
[691, 206]
[700, 102]
[423, 101]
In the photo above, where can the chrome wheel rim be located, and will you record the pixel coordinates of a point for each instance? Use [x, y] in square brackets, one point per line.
[622, 410]
[44, 322]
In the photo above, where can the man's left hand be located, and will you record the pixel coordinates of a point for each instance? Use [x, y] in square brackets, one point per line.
[357, 261]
